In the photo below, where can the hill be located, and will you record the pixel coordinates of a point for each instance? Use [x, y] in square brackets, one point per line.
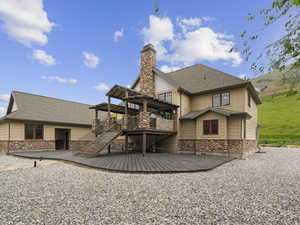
[279, 116]
[274, 82]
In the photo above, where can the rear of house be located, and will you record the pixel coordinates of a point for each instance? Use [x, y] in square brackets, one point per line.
[34, 122]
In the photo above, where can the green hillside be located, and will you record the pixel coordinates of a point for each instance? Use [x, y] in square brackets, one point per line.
[279, 117]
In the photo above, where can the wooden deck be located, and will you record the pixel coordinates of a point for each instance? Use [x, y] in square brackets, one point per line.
[135, 162]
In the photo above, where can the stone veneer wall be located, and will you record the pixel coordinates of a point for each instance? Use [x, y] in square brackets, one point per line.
[144, 120]
[227, 147]
[148, 62]
[30, 145]
[78, 145]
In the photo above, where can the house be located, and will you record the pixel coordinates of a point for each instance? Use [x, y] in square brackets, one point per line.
[39, 122]
[196, 109]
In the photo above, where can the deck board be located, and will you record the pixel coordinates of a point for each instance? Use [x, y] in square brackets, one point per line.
[135, 162]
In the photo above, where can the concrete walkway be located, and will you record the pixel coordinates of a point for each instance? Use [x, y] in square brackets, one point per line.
[135, 162]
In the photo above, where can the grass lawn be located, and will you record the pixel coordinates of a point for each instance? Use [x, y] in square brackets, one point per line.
[280, 119]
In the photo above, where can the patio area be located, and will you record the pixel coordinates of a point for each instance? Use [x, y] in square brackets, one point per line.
[134, 162]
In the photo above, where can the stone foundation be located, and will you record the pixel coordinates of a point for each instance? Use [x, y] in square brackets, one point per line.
[78, 145]
[226, 147]
[30, 145]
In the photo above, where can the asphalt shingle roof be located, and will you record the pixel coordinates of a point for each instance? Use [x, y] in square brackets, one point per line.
[40, 108]
[199, 78]
[225, 112]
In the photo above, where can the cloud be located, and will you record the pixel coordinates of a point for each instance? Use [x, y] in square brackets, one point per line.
[60, 79]
[159, 30]
[26, 21]
[102, 87]
[43, 57]
[118, 34]
[168, 69]
[4, 97]
[2, 111]
[90, 60]
[204, 44]
[243, 76]
[191, 44]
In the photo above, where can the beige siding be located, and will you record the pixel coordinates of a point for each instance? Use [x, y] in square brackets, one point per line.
[77, 133]
[251, 124]
[17, 132]
[236, 100]
[212, 116]
[188, 129]
[3, 131]
[234, 128]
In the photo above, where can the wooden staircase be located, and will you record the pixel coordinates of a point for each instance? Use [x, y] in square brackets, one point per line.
[102, 141]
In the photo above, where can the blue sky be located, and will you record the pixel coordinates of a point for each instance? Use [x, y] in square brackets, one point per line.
[76, 50]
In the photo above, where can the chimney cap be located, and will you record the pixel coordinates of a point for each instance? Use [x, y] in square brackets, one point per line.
[148, 47]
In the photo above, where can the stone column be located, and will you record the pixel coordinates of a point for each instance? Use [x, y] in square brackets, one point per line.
[144, 117]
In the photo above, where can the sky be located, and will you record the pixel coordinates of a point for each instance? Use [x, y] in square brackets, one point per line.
[77, 50]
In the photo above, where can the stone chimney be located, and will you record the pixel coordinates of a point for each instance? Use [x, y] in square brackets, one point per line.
[148, 62]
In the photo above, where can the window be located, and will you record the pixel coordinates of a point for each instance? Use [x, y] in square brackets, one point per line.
[249, 100]
[221, 99]
[210, 127]
[167, 97]
[34, 131]
[166, 115]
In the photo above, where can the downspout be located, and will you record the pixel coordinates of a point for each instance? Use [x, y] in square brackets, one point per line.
[8, 145]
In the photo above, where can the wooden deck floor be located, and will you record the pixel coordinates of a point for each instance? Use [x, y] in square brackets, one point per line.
[135, 162]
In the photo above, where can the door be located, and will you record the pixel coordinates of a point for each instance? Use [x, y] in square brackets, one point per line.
[62, 138]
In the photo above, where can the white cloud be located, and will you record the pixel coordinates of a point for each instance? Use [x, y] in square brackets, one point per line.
[159, 30]
[25, 20]
[90, 60]
[60, 79]
[204, 44]
[243, 76]
[118, 34]
[102, 87]
[4, 97]
[2, 111]
[191, 44]
[43, 57]
[168, 69]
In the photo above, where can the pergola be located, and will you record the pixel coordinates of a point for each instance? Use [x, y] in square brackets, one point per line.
[147, 104]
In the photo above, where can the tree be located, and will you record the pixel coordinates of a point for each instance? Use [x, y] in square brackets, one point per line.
[282, 52]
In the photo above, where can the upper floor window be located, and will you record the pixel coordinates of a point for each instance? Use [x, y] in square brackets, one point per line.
[210, 127]
[34, 131]
[167, 97]
[249, 100]
[221, 99]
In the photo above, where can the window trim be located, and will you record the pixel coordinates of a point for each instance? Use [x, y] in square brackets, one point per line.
[210, 127]
[34, 127]
[165, 95]
[220, 96]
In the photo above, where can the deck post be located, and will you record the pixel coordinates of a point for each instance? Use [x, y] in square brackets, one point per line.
[108, 149]
[126, 143]
[145, 105]
[126, 111]
[108, 111]
[144, 143]
[175, 118]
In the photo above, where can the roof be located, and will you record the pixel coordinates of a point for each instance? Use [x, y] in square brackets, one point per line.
[225, 112]
[201, 79]
[44, 109]
[114, 108]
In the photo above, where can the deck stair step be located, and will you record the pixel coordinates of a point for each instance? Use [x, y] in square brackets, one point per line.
[100, 143]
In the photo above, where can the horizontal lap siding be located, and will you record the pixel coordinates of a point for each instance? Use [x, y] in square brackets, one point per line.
[234, 127]
[77, 133]
[212, 116]
[17, 132]
[188, 129]
[4, 132]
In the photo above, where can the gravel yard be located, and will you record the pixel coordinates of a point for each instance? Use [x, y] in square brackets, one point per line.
[265, 189]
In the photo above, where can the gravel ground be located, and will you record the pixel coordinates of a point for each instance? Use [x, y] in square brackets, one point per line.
[265, 189]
